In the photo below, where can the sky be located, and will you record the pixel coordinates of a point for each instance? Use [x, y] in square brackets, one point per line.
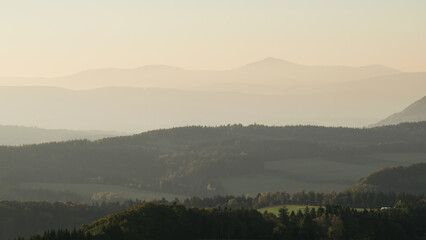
[47, 38]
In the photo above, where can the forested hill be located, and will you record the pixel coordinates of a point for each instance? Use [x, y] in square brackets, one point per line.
[406, 132]
[216, 160]
[24, 218]
[411, 179]
[158, 221]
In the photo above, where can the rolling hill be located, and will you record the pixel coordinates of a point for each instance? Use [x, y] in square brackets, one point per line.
[18, 135]
[416, 112]
[207, 161]
[150, 221]
[409, 179]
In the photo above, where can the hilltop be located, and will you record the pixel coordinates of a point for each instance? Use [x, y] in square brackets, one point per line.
[409, 179]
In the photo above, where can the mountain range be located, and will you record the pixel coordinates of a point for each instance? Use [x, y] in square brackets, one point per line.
[270, 91]
[267, 72]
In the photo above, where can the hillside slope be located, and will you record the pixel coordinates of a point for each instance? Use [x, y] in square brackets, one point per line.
[161, 222]
[152, 221]
[410, 179]
[416, 112]
[217, 160]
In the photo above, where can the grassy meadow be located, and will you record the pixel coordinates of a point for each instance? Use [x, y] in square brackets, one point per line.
[290, 207]
[87, 190]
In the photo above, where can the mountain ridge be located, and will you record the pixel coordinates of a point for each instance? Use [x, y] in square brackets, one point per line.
[265, 61]
[270, 71]
[415, 112]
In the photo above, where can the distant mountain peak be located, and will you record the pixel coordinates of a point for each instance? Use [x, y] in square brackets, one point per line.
[379, 66]
[273, 59]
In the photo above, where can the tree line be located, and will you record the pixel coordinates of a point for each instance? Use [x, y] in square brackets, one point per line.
[26, 218]
[159, 221]
[372, 200]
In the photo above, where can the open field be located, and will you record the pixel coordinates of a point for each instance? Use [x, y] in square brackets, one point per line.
[87, 190]
[291, 207]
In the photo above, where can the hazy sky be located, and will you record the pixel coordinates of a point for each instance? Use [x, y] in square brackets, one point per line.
[60, 37]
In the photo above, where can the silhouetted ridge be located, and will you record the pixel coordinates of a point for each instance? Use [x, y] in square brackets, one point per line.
[415, 112]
